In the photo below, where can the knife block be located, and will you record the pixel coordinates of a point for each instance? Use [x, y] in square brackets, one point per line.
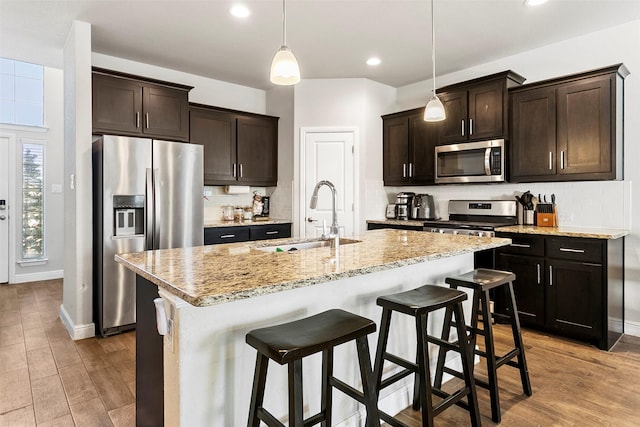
[547, 219]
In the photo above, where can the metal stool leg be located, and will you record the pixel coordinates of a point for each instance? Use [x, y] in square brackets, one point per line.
[257, 394]
[492, 367]
[466, 353]
[327, 395]
[517, 339]
[296, 415]
[368, 385]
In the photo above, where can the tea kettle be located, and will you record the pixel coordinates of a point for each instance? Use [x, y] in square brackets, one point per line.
[423, 207]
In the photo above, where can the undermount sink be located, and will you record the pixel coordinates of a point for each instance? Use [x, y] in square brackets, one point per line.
[304, 244]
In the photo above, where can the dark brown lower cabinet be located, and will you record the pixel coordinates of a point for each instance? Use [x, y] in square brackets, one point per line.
[245, 233]
[566, 285]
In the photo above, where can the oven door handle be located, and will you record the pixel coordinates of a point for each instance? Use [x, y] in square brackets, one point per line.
[487, 161]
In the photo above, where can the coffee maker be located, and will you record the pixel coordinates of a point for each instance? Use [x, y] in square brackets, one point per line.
[403, 205]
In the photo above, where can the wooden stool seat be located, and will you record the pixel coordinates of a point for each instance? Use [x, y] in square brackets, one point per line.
[482, 281]
[289, 343]
[418, 303]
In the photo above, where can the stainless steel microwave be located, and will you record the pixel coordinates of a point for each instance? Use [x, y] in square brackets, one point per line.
[482, 161]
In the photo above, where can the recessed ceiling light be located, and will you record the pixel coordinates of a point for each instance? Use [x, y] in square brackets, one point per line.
[240, 11]
[373, 61]
[534, 2]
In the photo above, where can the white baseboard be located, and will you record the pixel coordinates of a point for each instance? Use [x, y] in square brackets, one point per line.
[77, 332]
[36, 277]
[632, 328]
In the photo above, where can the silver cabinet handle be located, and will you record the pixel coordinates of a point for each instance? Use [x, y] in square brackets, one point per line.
[2, 217]
[410, 170]
[404, 170]
[550, 275]
[538, 271]
[520, 245]
[227, 236]
[562, 159]
[137, 119]
[271, 232]
[550, 160]
[575, 251]
[462, 127]
[234, 170]
[470, 126]
[146, 118]
[240, 170]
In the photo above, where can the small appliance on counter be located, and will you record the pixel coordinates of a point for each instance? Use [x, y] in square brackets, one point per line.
[403, 205]
[391, 211]
[423, 207]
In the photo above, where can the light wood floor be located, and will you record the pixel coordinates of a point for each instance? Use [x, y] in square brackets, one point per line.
[46, 379]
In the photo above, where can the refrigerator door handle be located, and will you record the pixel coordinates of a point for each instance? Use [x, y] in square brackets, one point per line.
[157, 211]
[148, 208]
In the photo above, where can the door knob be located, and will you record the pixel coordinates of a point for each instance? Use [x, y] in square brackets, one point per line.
[309, 219]
[2, 217]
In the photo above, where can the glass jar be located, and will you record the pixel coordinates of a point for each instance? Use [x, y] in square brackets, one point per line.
[248, 213]
[227, 213]
[238, 214]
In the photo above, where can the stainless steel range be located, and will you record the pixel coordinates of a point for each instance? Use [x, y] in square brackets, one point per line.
[475, 217]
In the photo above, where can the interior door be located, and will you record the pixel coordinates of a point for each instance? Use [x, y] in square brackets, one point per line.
[329, 156]
[4, 209]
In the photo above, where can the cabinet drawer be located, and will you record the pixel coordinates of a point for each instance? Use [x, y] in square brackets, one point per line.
[585, 250]
[275, 231]
[217, 235]
[523, 244]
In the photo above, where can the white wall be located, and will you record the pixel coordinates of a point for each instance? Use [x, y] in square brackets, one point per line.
[587, 204]
[345, 103]
[51, 137]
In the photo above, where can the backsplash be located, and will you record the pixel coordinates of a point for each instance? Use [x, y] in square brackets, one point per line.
[591, 204]
[215, 197]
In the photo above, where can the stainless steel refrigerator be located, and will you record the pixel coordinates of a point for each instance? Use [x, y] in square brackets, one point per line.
[147, 194]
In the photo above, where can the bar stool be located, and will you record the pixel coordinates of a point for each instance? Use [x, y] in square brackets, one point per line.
[418, 303]
[288, 343]
[482, 281]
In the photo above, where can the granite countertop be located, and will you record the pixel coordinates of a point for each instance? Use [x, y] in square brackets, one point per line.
[221, 223]
[215, 274]
[564, 231]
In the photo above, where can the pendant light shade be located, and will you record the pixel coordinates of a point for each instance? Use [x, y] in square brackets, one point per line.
[434, 111]
[284, 66]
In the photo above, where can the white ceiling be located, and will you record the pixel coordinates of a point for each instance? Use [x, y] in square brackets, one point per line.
[331, 38]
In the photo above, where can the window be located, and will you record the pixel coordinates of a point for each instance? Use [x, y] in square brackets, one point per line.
[21, 93]
[32, 201]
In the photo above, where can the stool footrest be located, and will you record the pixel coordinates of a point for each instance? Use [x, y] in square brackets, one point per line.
[395, 378]
[266, 417]
[347, 389]
[390, 420]
[401, 362]
[507, 358]
[317, 418]
[448, 399]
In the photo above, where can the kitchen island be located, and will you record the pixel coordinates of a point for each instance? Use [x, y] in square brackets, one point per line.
[214, 295]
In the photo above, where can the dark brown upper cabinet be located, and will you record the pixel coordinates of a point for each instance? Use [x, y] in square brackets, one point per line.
[239, 148]
[124, 104]
[568, 128]
[408, 148]
[476, 109]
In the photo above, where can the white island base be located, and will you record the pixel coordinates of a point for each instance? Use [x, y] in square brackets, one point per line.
[208, 367]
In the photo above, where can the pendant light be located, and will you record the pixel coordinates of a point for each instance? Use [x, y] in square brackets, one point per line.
[434, 111]
[284, 67]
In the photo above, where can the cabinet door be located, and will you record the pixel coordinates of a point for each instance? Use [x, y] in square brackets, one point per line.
[218, 235]
[166, 112]
[422, 150]
[117, 105]
[216, 131]
[257, 145]
[273, 231]
[528, 287]
[574, 298]
[486, 111]
[585, 135]
[395, 151]
[533, 142]
[454, 127]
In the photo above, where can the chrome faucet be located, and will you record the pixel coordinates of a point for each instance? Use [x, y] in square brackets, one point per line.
[334, 231]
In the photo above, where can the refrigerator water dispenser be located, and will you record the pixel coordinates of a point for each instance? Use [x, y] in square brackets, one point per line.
[128, 215]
